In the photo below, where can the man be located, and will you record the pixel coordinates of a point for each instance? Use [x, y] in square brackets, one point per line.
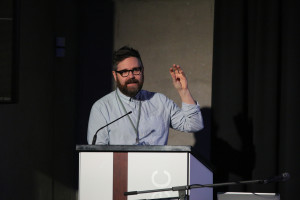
[152, 113]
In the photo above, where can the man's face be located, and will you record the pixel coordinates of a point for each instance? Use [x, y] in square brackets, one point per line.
[131, 84]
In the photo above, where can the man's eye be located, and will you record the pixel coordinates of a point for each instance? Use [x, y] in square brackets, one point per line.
[136, 69]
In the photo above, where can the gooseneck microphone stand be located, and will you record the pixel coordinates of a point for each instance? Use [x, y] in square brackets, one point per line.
[95, 135]
[182, 189]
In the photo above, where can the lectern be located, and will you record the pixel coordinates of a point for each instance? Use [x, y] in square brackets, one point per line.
[106, 172]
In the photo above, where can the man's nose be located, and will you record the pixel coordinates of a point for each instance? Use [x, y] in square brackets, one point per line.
[131, 75]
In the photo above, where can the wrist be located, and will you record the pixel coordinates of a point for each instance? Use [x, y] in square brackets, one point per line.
[186, 96]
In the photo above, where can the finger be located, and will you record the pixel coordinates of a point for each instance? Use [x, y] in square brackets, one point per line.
[175, 69]
[172, 72]
[180, 70]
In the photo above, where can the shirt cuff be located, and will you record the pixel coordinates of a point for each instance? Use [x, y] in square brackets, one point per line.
[186, 106]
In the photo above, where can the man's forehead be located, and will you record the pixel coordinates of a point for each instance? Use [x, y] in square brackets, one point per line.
[129, 63]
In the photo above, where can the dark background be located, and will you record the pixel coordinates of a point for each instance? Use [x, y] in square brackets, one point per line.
[255, 97]
[255, 93]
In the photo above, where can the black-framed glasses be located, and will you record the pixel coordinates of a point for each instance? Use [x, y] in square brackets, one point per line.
[125, 72]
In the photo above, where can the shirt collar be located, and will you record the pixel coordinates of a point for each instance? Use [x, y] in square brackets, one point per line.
[127, 98]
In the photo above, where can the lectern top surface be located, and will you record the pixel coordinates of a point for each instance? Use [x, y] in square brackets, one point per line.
[132, 148]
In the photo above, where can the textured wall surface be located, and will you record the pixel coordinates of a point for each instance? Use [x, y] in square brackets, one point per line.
[170, 32]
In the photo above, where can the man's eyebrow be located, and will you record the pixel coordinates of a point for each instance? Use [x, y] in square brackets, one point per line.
[129, 69]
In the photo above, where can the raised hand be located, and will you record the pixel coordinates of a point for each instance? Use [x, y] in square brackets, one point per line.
[181, 84]
[178, 77]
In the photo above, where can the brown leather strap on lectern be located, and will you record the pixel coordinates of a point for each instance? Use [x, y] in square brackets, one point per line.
[120, 175]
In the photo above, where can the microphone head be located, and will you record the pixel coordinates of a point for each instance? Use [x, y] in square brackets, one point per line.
[285, 176]
[282, 177]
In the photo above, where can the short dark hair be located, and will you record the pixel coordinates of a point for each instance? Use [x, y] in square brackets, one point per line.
[123, 53]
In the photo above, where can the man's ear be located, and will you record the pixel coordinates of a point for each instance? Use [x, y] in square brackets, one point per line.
[115, 75]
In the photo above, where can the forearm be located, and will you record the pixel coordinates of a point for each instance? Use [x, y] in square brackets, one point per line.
[186, 96]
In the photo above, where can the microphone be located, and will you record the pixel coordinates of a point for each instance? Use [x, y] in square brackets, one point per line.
[95, 136]
[282, 177]
[181, 189]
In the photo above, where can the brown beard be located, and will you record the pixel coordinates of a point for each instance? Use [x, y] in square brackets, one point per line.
[130, 92]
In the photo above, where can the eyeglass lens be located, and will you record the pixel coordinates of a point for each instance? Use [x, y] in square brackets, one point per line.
[135, 71]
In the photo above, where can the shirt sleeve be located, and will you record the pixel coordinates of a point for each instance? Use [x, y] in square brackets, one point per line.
[186, 119]
[96, 121]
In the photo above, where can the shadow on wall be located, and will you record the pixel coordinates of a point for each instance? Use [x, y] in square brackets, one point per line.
[229, 160]
[225, 159]
[203, 138]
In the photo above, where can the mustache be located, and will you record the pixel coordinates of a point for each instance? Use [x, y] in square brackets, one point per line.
[131, 81]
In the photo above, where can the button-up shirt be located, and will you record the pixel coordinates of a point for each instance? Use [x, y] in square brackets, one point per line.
[157, 114]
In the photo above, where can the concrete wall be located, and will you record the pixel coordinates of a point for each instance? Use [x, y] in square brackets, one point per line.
[170, 32]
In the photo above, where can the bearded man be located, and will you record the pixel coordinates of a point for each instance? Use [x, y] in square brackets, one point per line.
[149, 114]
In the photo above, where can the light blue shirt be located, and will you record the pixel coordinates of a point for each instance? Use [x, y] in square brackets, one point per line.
[157, 114]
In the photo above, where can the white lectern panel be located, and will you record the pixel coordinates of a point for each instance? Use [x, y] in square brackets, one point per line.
[95, 175]
[150, 171]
